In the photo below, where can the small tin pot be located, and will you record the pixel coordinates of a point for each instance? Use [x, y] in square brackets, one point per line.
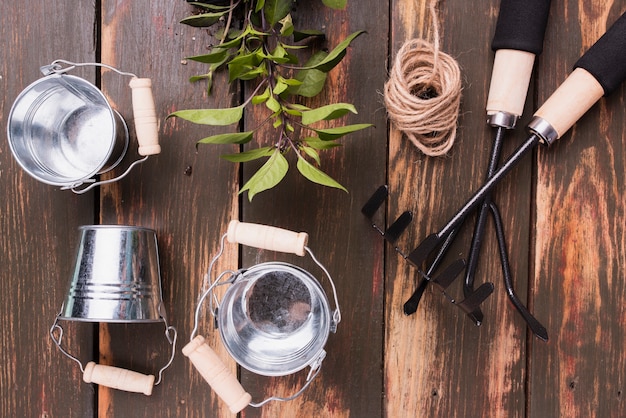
[62, 130]
[116, 279]
[274, 319]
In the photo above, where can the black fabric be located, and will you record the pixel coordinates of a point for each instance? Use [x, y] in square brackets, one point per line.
[521, 25]
[606, 59]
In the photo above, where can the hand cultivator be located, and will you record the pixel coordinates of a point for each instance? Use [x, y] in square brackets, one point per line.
[518, 39]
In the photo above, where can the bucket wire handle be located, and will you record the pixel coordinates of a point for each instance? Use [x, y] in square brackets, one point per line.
[101, 182]
[144, 114]
[223, 382]
[115, 377]
[316, 368]
[281, 240]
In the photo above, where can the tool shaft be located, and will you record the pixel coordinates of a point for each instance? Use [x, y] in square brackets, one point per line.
[486, 188]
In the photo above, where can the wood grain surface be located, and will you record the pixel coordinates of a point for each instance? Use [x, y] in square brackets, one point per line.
[563, 210]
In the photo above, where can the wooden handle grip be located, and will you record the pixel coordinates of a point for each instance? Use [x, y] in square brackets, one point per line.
[267, 237]
[578, 93]
[510, 79]
[217, 375]
[117, 378]
[145, 117]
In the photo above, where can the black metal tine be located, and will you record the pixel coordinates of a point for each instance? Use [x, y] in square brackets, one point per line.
[375, 201]
[410, 306]
[481, 220]
[451, 272]
[473, 301]
[534, 325]
[398, 227]
[419, 254]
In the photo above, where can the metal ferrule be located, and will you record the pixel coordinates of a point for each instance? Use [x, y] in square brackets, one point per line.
[544, 130]
[502, 119]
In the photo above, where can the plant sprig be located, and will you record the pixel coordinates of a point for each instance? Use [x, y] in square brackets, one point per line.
[261, 51]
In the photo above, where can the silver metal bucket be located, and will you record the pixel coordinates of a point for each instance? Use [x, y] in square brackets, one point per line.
[274, 319]
[116, 279]
[62, 130]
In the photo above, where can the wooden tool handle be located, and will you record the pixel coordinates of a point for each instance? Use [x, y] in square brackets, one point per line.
[267, 237]
[578, 93]
[217, 375]
[144, 113]
[117, 378]
[510, 79]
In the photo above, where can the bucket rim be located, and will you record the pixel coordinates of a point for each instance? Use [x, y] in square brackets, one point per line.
[117, 227]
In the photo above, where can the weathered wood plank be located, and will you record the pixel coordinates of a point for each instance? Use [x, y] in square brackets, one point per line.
[38, 224]
[188, 197]
[350, 383]
[580, 244]
[437, 363]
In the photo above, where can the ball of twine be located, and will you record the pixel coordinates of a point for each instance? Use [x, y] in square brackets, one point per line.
[423, 95]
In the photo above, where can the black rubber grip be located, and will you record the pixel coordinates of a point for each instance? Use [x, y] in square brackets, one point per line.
[521, 25]
[606, 59]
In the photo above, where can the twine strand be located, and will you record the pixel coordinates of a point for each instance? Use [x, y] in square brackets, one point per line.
[423, 93]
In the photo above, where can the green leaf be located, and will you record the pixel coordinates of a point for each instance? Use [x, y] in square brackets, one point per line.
[203, 20]
[261, 98]
[279, 87]
[272, 104]
[276, 10]
[229, 138]
[335, 56]
[206, 76]
[289, 81]
[316, 175]
[215, 117]
[208, 6]
[311, 81]
[268, 176]
[312, 153]
[250, 155]
[259, 5]
[315, 142]
[335, 4]
[299, 35]
[334, 133]
[328, 112]
[279, 55]
[286, 26]
[247, 66]
[214, 57]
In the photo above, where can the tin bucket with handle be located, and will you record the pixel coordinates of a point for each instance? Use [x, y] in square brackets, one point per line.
[274, 319]
[116, 279]
[62, 130]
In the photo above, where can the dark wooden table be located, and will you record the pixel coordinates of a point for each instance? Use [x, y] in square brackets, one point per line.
[563, 209]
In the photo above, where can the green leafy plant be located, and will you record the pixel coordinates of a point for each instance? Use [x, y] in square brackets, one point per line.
[262, 51]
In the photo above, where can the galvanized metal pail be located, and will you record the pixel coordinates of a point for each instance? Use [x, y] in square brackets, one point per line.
[274, 318]
[62, 130]
[116, 279]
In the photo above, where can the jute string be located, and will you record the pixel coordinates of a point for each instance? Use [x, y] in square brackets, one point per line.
[423, 93]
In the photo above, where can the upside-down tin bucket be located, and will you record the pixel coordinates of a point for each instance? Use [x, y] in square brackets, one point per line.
[116, 279]
[62, 130]
[274, 319]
